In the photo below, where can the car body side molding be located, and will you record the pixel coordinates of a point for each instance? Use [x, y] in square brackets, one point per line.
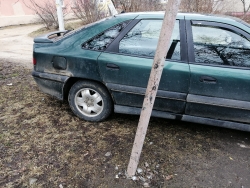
[137, 111]
[142, 91]
[214, 101]
[48, 76]
[187, 118]
[216, 123]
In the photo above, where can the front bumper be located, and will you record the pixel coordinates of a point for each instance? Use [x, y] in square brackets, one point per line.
[51, 84]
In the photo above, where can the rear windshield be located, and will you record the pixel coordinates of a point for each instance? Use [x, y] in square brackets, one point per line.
[71, 32]
[86, 26]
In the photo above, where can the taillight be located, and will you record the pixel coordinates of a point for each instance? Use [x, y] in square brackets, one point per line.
[34, 61]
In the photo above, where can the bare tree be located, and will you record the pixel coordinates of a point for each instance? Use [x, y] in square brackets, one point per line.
[246, 8]
[202, 6]
[89, 10]
[139, 5]
[243, 13]
[46, 11]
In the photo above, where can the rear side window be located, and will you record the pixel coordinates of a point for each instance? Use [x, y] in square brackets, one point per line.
[142, 40]
[102, 40]
[220, 46]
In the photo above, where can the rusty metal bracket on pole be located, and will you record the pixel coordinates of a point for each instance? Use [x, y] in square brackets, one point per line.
[153, 83]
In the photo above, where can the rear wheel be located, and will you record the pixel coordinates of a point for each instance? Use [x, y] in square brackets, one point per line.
[90, 101]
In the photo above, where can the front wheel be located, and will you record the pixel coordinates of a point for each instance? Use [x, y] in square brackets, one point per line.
[90, 101]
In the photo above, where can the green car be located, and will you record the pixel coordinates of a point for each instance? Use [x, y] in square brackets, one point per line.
[105, 66]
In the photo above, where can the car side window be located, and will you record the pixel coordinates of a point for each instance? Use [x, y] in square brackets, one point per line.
[220, 46]
[102, 40]
[143, 38]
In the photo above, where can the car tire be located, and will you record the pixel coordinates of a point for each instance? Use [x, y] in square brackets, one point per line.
[90, 101]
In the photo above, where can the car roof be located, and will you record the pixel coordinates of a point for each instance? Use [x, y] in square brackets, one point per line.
[191, 16]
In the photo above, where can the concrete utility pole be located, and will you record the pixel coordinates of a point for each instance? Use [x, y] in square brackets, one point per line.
[111, 7]
[59, 4]
[153, 83]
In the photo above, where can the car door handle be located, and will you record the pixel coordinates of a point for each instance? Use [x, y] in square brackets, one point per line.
[208, 79]
[112, 66]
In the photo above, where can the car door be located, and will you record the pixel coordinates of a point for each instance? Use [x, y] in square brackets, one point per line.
[126, 64]
[220, 72]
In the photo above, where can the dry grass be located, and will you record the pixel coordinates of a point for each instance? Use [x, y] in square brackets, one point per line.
[40, 138]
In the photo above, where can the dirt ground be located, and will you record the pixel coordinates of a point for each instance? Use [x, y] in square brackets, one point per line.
[43, 144]
[16, 45]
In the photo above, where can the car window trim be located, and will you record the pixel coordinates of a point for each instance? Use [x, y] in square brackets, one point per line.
[114, 46]
[183, 41]
[191, 57]
[104, 32]
[145, 57]
[222, 25]
[221, 66]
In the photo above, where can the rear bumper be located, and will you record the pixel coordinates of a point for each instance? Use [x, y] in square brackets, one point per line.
[51, 84]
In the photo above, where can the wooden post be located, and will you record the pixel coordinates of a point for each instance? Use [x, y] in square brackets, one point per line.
[153, 83]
